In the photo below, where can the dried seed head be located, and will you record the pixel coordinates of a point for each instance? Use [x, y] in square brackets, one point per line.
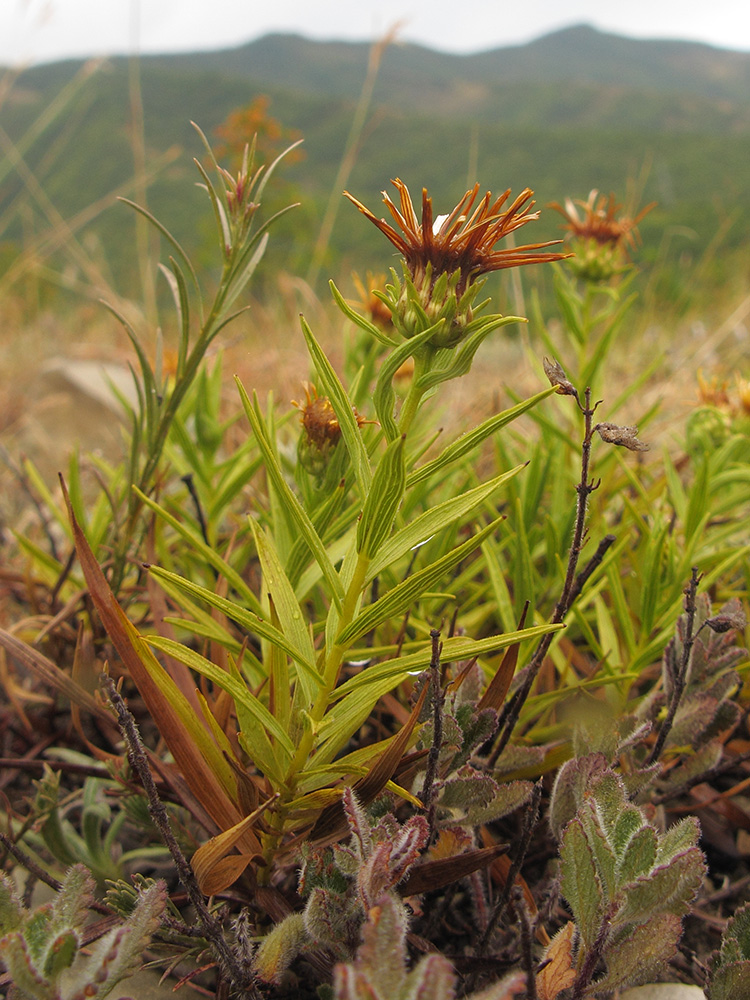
[626, 437]
[557, 377]
[727, 621]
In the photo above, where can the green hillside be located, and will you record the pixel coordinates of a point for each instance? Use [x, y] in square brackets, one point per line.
[574, 110]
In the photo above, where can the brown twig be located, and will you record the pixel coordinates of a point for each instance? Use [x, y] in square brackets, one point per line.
[584, 489]
[679, 679]
[527, 958]
[212, 929]
[437, 719]
[29, 864]
[524, 840]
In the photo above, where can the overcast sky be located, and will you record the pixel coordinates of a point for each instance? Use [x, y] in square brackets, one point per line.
[43, 30]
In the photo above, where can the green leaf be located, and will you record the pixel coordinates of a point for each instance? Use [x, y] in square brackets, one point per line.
[360, 321]
[433, 520]
[639, 855]
[384, 397]
[252, 622]
[285, 603]
[205, 551]
[669, 888]
[639, 954]
[580, 882]
[360, 693]
[735, 944]
[730, 982]
[291, 503]
[404, 594]
[11, 911]
[343, 408]
[465, 444]
[226, 682]
[383, 500]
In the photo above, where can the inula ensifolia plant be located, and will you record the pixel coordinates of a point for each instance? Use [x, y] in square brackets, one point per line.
[340, 561]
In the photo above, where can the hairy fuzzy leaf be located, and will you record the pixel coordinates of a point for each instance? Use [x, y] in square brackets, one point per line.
[668, 888]
[572, 781]
[279, 948]
[639, 855]
[729, 982]
[580, 882]
[640, 953]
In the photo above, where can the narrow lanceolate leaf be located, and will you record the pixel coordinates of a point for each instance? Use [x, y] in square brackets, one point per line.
[439, 872]
[246, 619]
[52, 675]
[383, 500]
[285, 603]
[580, 882]
[363, 691]
[497, 689]
[227, 682]
[292, 505]
[205, 770]
[344, 410]
[214, 866]
[468, 442]
[206, 552]
[402, 596]
[332, 820]
[434, 520]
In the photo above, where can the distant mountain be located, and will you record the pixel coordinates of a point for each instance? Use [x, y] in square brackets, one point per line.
[573, 110]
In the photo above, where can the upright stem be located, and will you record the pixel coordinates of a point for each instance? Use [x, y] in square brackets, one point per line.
[414, 398]
[584, 489]
[680, 678]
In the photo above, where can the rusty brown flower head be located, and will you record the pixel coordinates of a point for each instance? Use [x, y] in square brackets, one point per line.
[444, 255]
[459, 241]
[601, 233]
[321, 431]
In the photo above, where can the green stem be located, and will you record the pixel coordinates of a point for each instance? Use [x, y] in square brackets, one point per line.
[422, 359]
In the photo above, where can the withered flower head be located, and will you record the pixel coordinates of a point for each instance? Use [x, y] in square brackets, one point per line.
[444, 255]
[319, 420]
[321, 429]
[602, 233]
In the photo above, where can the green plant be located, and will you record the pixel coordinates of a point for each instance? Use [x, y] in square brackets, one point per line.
[627, 884]
[41, 948]
[730, 968]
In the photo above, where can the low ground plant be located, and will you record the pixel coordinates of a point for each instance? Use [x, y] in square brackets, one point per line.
[392, 711]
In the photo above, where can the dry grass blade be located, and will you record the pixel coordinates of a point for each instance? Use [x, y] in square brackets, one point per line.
[51, 674]
[191, 746]
[497, 689]
[440, 872]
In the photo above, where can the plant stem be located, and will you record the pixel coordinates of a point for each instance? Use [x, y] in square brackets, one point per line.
[212, 929]
[437, 719]
[680, 678]
[584, 489]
